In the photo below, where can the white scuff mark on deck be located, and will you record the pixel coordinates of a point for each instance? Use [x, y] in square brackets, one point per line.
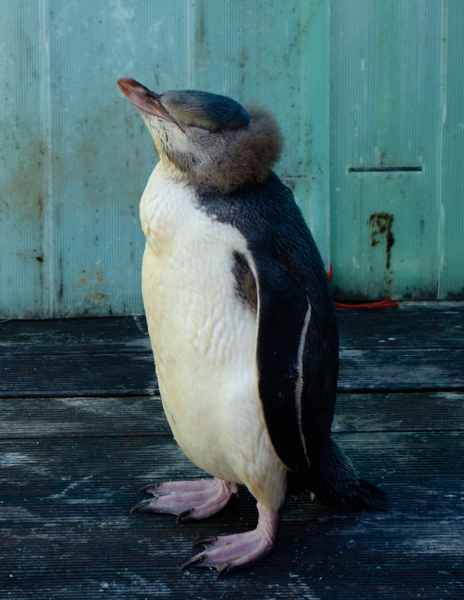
[112, 407]
[452, 545]
[16, 513]
[430, 304]
[142, 344]
[70, 487]
[353, 354]
[153, 588]
[87, 501]
[299, 588]
[13, 459]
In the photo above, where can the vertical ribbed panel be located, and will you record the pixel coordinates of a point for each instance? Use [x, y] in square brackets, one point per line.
[102, 152]
[387, 102]
[76, 155]
[23, 163]
[452, 269]
[278, 55]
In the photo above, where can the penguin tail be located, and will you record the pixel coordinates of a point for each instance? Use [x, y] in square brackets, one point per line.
[333, 479]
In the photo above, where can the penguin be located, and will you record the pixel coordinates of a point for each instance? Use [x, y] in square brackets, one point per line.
[241, 322]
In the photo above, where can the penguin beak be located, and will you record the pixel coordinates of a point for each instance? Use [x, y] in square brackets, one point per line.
[143, 99]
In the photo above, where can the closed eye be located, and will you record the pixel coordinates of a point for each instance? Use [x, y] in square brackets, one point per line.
[195, 126]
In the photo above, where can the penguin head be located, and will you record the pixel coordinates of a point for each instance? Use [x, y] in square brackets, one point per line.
[208, 140]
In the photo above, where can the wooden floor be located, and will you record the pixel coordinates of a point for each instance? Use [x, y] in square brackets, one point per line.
[82, 429]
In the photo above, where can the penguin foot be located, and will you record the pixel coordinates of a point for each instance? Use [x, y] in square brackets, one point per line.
[232, 552]
[187, 499]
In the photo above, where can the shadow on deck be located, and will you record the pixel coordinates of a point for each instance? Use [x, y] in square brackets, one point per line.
[82, 429]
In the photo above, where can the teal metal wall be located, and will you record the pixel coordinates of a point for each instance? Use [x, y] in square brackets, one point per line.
[397, 104]
[75, 156]
[373, 85]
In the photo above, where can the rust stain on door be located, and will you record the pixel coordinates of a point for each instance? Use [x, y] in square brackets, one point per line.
[381, 224]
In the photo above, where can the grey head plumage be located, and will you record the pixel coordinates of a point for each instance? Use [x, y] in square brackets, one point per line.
[208, 140]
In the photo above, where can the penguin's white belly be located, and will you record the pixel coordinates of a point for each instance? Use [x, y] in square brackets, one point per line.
[204, 340]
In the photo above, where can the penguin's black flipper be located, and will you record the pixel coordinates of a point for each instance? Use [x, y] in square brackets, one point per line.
[297, 339]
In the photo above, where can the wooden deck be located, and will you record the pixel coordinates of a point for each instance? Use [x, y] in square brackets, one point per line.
[82, 429]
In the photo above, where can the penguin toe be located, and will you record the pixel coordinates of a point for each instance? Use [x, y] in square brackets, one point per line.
[232, 552]
[142, 506]
[150, 488]
[187, 499]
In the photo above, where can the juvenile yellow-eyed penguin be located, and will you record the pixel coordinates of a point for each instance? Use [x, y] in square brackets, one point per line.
[241, 322]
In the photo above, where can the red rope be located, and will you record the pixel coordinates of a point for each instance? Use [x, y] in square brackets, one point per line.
[387, 303]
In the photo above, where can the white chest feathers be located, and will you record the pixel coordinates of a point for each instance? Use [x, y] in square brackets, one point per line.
[204, 337]
[188, 284]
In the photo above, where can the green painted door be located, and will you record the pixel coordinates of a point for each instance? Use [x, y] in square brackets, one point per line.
[397, 145]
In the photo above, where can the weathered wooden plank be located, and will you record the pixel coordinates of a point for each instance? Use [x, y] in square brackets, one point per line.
[65, 528]
[77, 374]
[81, 357]
[412, 369]
[430, 325]
[82, 417]
[412, 325]
[340, 559]
[29, 461]
[133, 373]
[421, 411]
[58, 336]
[70, 468]
[144, 415]
[96, 374]
[88, 357]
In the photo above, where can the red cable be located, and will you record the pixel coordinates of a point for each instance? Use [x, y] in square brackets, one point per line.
[387, 303]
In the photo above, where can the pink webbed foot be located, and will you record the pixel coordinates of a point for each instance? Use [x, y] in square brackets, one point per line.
[231, 552]
[187, 499]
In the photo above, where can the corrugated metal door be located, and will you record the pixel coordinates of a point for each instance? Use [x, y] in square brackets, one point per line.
[397, 145]
[75, 156]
